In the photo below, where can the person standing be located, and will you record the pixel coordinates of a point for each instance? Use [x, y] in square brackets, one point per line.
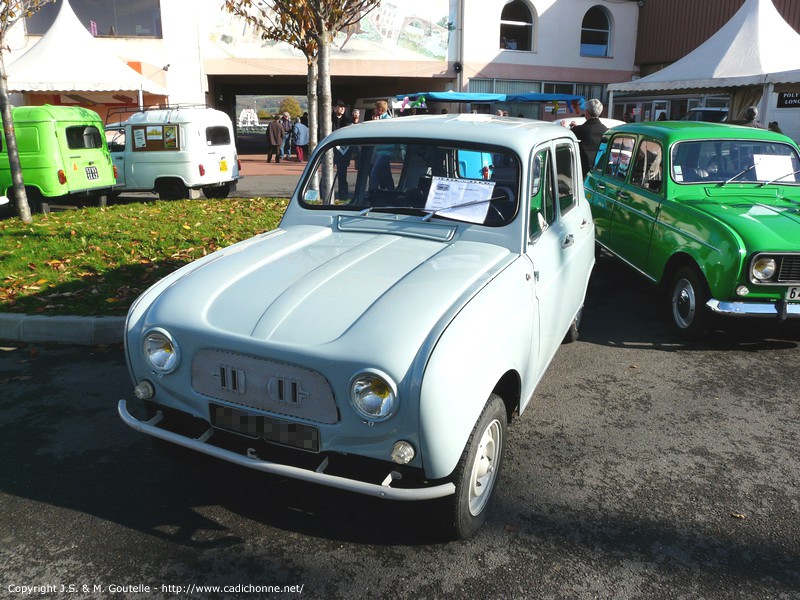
[751, 118]
[300, 136]
[590, 133]
[341, 154]
[380, 177]
[274, 139]
[286, 146]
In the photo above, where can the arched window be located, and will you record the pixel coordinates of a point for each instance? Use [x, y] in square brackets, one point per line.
[596, 33]
[516, 26]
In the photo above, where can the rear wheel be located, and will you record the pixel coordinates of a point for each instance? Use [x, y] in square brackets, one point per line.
[574, 329]
[171, 189]
[478, 471]
[688, 295]
[35, 199]
[217, 191]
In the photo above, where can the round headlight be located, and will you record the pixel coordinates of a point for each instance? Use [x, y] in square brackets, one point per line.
[764, 268]
[373, 396]
[161, 351]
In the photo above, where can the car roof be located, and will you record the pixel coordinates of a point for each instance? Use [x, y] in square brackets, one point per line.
[674, 131]
[512, 132]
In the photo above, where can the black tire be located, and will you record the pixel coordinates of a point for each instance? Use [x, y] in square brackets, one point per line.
[35, 199]
[688, 294]
[171, 189]
[478, 471]
[217, 191]
[574, 329]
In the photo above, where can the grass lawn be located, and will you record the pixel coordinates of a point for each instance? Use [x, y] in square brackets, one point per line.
[96, 261]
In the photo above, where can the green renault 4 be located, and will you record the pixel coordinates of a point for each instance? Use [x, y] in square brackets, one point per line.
[710, 211]
[63, 155]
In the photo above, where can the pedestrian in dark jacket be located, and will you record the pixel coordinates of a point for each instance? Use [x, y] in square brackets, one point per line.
[274, 139]
[590, 133]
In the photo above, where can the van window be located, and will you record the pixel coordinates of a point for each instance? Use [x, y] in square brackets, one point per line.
[83, 136]
[218, 136]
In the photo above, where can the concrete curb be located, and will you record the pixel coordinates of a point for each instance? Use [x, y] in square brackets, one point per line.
[86, 331]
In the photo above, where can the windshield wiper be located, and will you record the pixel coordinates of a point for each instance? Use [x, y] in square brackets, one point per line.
[739, 174]
[779, 178]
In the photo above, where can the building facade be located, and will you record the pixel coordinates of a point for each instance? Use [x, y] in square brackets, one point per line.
[202, 54]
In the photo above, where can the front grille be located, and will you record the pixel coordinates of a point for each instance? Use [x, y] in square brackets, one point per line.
[789, 271]
[264, 385]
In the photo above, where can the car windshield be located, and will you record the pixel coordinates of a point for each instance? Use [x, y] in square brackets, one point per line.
[731, 161]
[436, 180]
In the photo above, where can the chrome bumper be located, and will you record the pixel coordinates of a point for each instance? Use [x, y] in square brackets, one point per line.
[251, 461]
[779, 310]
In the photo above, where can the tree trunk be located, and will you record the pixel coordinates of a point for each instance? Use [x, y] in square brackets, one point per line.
[313, 110]
[324, 60]
[21, 198]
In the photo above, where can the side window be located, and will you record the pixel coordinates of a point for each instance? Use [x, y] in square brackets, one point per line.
[543, 196]
[565, 176]
[619, 157]
[516, 26]
[647, 166]
[116, 140]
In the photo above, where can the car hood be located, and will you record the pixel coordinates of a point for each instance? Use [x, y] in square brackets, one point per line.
[308, 286]
[764, 221]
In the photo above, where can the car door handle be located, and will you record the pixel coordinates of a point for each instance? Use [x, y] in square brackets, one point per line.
[585, 223]
[601, 186]
[568, 241]
[624, 195]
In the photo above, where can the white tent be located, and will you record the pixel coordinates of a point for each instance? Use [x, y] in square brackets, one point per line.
[756, 42]
[68, 59]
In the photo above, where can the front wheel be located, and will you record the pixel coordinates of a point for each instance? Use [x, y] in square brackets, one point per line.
[688, 296]
[478, 471]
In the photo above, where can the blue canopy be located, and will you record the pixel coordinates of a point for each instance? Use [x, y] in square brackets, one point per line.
[569, 99]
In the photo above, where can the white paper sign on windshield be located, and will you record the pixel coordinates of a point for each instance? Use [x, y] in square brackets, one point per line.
[463, 199]
[771, 167]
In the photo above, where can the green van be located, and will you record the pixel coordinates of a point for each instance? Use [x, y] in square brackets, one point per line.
[63, 154]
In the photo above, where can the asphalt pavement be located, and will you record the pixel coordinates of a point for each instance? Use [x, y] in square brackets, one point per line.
[261, 179]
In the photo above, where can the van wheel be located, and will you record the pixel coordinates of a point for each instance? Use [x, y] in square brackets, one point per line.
[217, 191]
[35, 199]
[171, 189]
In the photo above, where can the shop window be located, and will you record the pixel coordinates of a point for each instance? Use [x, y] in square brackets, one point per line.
[596, 33]
[516, 26]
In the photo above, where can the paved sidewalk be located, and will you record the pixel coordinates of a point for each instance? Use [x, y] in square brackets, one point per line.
[260, 179]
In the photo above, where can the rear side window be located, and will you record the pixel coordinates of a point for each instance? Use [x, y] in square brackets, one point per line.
[647, 168]
[619, 156]
[83, 136]
[218, 136]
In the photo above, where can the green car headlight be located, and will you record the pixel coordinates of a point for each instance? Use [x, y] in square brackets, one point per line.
[764, 268]
[373, 396]
[161, 351]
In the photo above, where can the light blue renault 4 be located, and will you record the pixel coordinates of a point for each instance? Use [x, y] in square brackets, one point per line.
[382, 337]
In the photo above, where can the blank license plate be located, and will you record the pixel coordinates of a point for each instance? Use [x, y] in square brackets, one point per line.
[91, 173]
[270, 429]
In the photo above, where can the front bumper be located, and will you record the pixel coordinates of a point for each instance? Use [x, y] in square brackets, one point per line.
[781, 309]
[252, 461]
